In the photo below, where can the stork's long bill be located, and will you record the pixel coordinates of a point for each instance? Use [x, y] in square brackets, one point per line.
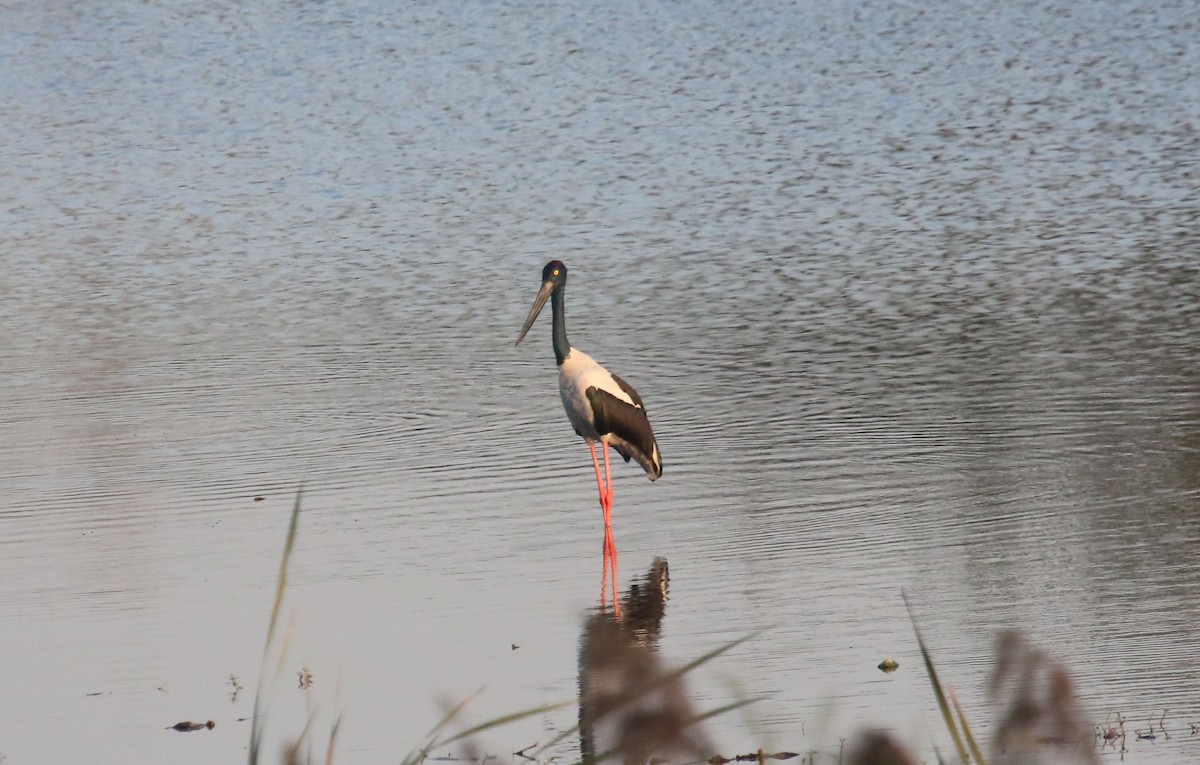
[539, 301]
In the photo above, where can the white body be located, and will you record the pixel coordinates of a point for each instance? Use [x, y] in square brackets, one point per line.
[576, 374]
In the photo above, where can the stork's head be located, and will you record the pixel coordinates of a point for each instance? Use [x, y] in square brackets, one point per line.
[554, 273]
[554, 278]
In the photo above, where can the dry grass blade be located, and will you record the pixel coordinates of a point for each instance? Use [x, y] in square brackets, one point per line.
[629, 703]
[432, 740]
[663, 680]
[292, 753]
[555, 741]
[333, 734]
[695, 720]
[417, 755]
[256, 723]
[962, 719]
[943, 705]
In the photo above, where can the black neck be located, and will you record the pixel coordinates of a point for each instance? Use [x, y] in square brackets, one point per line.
[561, 346]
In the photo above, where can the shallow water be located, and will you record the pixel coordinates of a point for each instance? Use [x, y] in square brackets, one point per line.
[910, 292]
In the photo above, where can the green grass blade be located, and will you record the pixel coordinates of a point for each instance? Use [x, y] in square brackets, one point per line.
[503, 720]
[257, 721]
[705, 658]
[281, 583]
[720, 710]
[943, 705]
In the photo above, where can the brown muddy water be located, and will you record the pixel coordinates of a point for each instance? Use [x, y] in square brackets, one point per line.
[910, 290]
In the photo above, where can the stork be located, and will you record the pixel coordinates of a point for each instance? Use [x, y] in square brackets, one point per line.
[601, 406]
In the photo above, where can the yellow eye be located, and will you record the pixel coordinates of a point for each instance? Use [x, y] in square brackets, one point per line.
[556, 272]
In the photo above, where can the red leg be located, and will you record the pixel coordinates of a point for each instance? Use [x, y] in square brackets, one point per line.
[603, 501]
[599, 478]
[612, 542]
[604, 484]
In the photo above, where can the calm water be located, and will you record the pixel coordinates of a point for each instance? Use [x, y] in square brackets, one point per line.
[912, 292]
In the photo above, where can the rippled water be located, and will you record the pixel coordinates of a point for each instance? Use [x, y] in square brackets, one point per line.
[910, 291]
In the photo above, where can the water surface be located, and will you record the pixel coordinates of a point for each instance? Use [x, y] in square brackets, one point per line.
[910, 292]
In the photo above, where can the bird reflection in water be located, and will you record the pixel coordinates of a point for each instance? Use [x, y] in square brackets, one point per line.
[630, 706]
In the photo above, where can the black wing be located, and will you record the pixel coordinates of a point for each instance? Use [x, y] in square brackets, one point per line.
[626, 427]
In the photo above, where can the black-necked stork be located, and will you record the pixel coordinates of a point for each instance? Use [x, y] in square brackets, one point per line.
[601, 406]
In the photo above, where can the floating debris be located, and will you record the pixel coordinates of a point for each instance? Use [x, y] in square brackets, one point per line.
[187, 726]
[759, 756]
[306, 678]
[237, 688]
[522, 752]
[889, 665]
[259, 498]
